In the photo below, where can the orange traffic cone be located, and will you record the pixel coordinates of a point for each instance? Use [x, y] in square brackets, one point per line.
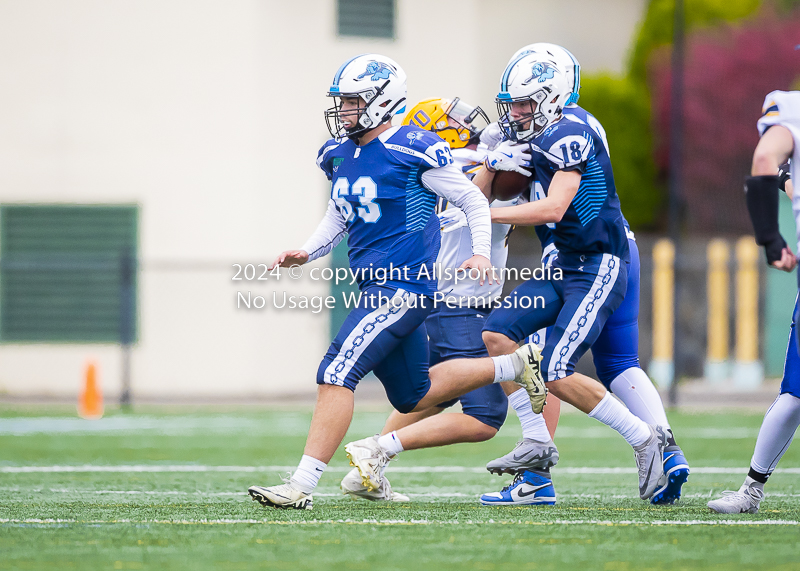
[90, 401]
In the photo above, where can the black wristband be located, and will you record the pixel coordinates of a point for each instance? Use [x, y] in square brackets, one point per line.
[762, 204]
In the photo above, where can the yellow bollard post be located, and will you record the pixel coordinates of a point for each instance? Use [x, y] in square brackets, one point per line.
[717, 367]
[662, 366]
[748, 371]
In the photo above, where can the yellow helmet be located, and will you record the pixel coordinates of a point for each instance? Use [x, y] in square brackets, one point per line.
[454, 121]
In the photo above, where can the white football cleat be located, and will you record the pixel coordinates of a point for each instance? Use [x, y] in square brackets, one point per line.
[352, 486]
[528, 454]
[745, 501]
[531, 377]
[283, 497]
[650, 461]
[370, 460]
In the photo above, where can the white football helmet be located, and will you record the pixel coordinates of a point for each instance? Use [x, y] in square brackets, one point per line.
[377, 81]
[564, 58]
[541, 83]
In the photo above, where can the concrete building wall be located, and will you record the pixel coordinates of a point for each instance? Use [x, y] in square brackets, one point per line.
[208, 114]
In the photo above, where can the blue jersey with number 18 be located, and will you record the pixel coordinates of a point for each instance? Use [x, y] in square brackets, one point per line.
[577, 115]
[388, 213]
[593, 222]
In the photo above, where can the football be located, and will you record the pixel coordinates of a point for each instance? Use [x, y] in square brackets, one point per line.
[507, 185]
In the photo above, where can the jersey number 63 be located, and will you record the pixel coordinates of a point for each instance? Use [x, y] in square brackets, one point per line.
[366, 190]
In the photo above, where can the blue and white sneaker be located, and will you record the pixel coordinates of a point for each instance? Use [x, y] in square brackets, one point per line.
[676, 468]
[528, 488]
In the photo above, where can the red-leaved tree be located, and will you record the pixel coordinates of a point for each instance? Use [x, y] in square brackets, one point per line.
[728, 72]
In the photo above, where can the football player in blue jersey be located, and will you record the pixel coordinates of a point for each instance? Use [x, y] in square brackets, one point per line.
[385, 181]
[456, 322]
[577, 200]
[615, 353]
[779, 128]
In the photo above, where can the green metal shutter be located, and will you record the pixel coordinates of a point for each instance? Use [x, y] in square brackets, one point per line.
[366, 18]
[67, 273]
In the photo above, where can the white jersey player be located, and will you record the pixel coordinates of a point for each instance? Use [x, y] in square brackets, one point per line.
[782, 109]
[779, 128]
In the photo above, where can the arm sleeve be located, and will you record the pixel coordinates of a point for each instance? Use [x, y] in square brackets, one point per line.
[451, 184]
[329, 233]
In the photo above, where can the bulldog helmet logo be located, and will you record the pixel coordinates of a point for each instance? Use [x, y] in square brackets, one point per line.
[377, 70]
[541, 71]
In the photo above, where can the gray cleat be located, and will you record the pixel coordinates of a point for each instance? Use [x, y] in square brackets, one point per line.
[527, 455]
[650, 461]
[745, 501]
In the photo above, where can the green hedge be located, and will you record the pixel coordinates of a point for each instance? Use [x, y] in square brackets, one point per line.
[623, 108]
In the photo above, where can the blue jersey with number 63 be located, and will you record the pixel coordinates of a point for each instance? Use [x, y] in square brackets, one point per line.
[388, 212]
[593, 222]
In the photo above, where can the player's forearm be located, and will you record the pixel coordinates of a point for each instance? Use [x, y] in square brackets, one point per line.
[479, 219]
[329, 233]
[483, 180]
[543, 211]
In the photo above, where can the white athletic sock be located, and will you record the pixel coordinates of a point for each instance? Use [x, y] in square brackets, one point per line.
[635, 389]
[533, 425]
[307, 475]
[776, 433]
[507, 367]
[390, 444]
[610, 412]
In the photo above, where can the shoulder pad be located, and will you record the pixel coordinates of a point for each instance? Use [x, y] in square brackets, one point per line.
[415, 138]
[429, 147]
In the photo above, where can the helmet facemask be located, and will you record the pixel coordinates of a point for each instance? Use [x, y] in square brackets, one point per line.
[523, 127]
[363, 118]
[462, 124]
[357, 117]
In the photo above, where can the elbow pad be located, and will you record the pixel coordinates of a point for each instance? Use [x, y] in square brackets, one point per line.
[761, 193]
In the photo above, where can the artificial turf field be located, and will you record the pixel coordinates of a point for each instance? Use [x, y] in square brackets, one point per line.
[164, 488]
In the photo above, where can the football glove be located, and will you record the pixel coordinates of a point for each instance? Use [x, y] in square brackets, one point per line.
[452, 219]
[492, 136]
[509, 156]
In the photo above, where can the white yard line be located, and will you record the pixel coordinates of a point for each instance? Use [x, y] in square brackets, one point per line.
[734, 522]
[410, 492]
[290, 424]
[126, 468]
